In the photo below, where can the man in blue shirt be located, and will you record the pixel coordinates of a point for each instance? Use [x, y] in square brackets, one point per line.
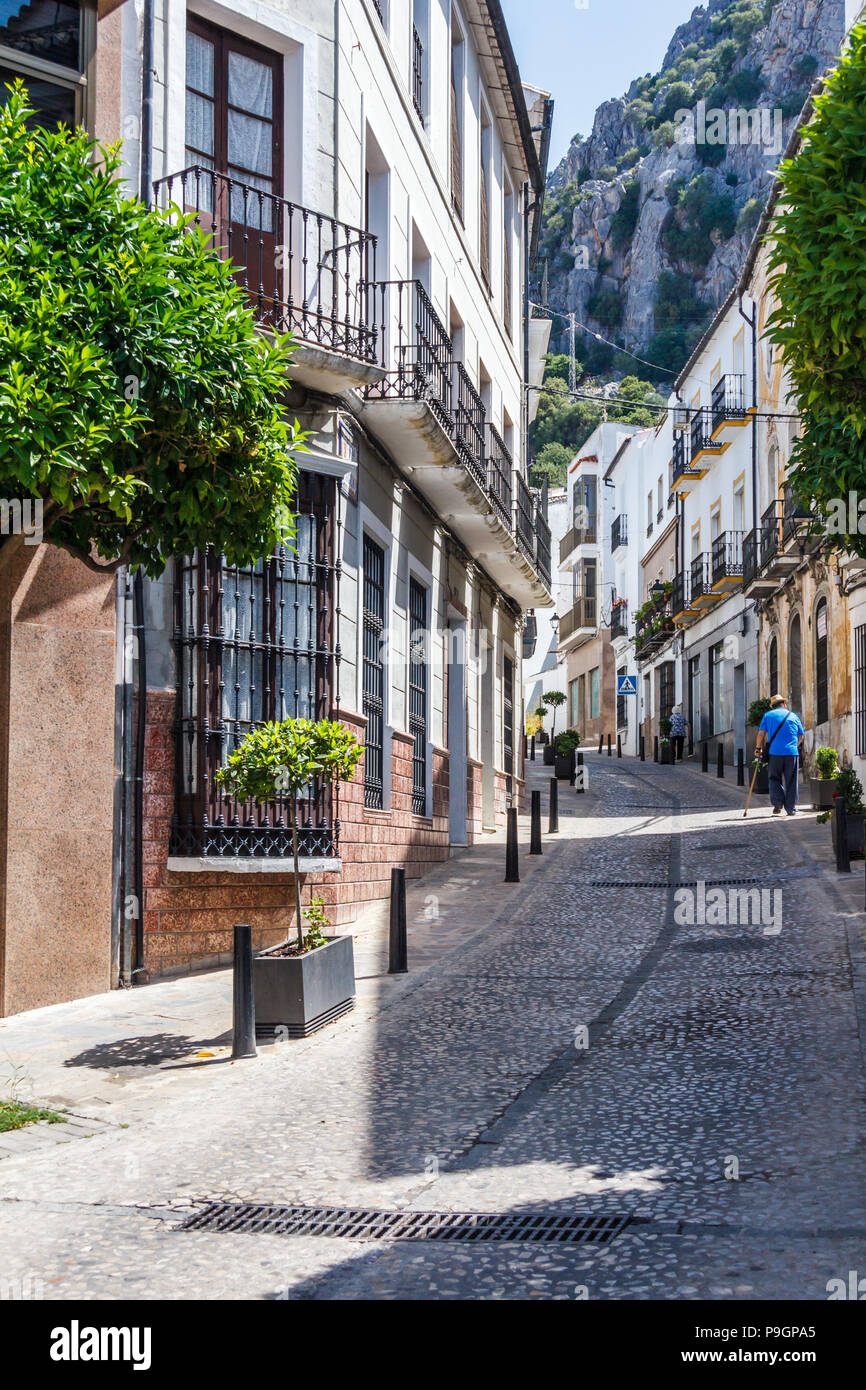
[783, 733]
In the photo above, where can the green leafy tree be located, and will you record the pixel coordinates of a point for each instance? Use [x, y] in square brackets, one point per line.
[280, 759]
[819, 278]
[553, 460]
[554, 700]
[138, 401]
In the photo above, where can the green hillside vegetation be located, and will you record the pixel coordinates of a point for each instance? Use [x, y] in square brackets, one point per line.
[563, 425]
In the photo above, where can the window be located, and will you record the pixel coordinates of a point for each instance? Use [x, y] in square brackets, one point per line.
[419, 56]
[860, 690]
[457, 52]
[594, 694]
[739, 508]
[649, 513]
[822, 701]
[659, 500]
[715, 523]
[374, 674]
[621, 703]
[695, 696]
[51, 40]
[485, 182]
[418, 640]
[585, 508]
[773, 666]
[508, 726]
[667, 687]
[718, 701]
[507, 274]
[233, 111]
[574, 705]
[795, 665]
[254, 644]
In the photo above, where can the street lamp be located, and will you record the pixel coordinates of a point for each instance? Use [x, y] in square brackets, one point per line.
[657, 590]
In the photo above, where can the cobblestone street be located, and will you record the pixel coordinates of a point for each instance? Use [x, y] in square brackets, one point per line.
[577, 1047]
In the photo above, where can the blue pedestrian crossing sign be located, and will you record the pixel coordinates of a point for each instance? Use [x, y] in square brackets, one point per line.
[626, 685]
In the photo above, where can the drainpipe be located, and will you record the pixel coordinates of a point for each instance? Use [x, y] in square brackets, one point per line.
[752, 322]
[527, 265]
[146, 151]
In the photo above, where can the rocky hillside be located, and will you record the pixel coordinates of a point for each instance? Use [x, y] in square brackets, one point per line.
[648, 219]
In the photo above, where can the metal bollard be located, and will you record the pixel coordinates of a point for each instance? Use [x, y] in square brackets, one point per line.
[398, 946]
[553, 819]
[532, 750]
[535, 825]
[619, 745]
[243, 1006]
[656, 749]
[581, 776]
[609, 754]
[601, 743]
[741, 767]
[705, 757]
[720, 761]
[642, 749]
[512, 865]
[843, 853]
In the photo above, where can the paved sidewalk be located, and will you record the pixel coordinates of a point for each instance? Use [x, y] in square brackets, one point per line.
[571, 1045]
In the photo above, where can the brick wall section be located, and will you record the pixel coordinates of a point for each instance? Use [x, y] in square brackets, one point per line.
[188, 918]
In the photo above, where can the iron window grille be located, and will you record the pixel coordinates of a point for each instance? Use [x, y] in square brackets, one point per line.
[374, 674]
[418, 677]
[508, 729]
[619, 532]
[860, 689]
[256, 644]
[417, 72]
[822, 684]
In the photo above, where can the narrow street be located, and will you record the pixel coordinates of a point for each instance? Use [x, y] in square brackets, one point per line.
[581, 1054]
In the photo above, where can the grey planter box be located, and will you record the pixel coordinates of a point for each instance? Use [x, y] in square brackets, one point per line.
[565, 766]
[302, 993]
[856, 833]
[666, 753]
[823, 790]
[549, 754]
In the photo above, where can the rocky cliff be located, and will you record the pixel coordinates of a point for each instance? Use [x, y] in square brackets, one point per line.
[649, 218]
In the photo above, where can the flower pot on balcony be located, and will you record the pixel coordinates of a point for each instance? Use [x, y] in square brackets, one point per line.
[300, 994]
[823, 790]
[549, 754]
[856, 832]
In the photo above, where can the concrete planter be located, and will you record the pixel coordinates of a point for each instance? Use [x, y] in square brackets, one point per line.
[565, 766]
[856, 833]
[823, 790]
[549, 754]
[302, 993]
[666, 753]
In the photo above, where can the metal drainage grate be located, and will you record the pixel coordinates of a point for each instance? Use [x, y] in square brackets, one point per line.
[682, 883]
[462, 1226]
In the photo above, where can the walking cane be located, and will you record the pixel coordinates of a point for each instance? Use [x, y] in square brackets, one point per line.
[752, 787]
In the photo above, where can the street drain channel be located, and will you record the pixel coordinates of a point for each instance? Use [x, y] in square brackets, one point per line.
[460, 1226]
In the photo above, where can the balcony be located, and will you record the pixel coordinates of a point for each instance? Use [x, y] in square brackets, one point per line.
[700, 582]
[684, 475]
[726, 562]
[654, 630]
[729, 402]
[619, 620]
[619, 533]
[500, 471]
[580, 623]
[704, 447]
[469, 425]
[578, 535]
[302, 272]
[798, 524]
[682, 608]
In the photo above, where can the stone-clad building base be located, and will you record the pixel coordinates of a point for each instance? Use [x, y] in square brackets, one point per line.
[189, 916]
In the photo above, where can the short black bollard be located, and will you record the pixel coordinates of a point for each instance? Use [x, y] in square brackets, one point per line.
[741, 767]
[398, 946]
[535, 825]
[843, 852]
[512, 865]
[581, 775]
[705, 757]
[720, 761]
[656, 749]
[619, 745]
[601, 743]
[532, 750]
[642, 749]
[609, 753]
[243, 1007]
[553, 818]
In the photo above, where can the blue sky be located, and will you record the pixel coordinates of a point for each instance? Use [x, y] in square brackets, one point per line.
[586, 55]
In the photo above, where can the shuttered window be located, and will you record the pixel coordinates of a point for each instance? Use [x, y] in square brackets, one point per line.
[822, 697]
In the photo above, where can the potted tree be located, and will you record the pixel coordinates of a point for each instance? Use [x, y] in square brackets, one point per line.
[566, 748]
[554, 699]
[823, 787]
[665, 749]
[850, 788]
[304, 983]
[757, 710]
[540, 735]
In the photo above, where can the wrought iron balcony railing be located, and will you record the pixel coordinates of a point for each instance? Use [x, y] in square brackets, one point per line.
[700, 577]
[751, 557]
[619, 532]
[702, 433]
[542, 546]
[524, 516]
[469, 425]
[619, 620]
[796, 519]
[416, 349]
[682, 456]
[679, 594]
[417, 72]
[500, 471]
[729, 399]
[727, 556]
[771, 528]
[302, 271]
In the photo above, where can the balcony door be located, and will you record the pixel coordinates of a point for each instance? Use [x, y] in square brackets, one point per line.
[234, 114]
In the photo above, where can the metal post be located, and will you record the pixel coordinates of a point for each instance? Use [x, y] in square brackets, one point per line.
[843, 854]
[398, 949]
[720, 761]
[601, 743]
[705, 757]
[535, 824]
[741, 767]
[581, 783]
[619, 745]
[642, 749]
[512, 866]
[609, 754]
[532, 750]
[243, 1007]
[553, 820]
[656, 749]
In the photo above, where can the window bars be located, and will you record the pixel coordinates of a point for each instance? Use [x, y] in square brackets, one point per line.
[256, 644]
[374, 674]
[418, 678]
